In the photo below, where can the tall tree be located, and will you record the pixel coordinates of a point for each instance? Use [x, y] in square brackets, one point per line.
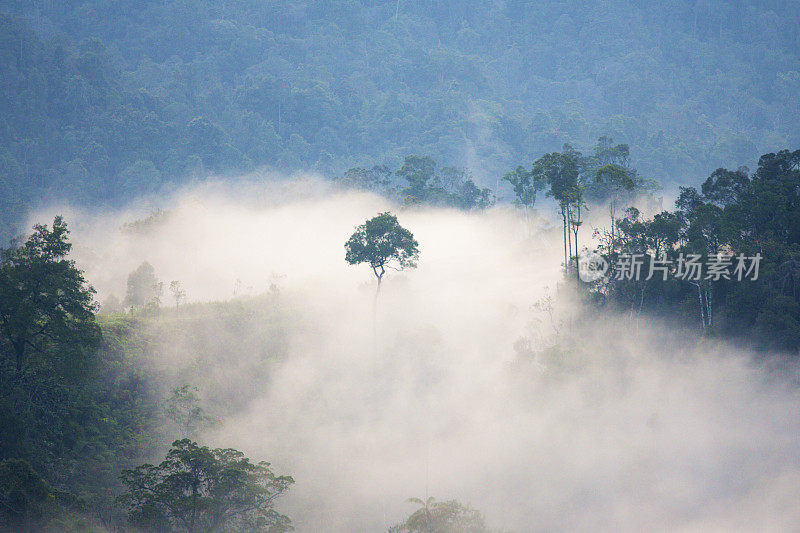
[382, 243]
[525, 185]
[618, 184]
[45, 302]
[561, 172]
[418, 172]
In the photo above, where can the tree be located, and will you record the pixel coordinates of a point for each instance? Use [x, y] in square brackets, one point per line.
[608, 153]
[617, 184]
[525, 185]
[178, 292]
[382, 243]
[418, 172]
[724, 187]
[561, 172]
[441, 517]
[45, 302]
[144, 289]
[27, 501]
[196, 489]
[377, 179]
[183, 408]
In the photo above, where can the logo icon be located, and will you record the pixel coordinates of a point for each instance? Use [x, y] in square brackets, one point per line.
[591, 267]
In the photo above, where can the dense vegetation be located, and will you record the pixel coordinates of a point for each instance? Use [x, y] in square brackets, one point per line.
[81, 400]
[74, 407]
[197, 490]
[735, 220]
[733, 214]
[103, 101]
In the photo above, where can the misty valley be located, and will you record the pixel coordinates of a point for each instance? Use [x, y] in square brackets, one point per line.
[399, 266]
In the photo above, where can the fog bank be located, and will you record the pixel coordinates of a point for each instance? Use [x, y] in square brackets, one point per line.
[603, 426]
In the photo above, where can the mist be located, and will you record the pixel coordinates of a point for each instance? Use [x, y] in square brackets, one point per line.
[604, 424]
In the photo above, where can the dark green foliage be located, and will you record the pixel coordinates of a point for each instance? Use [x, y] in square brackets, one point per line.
[28, 501]
[183, 409]
[73, 411]
[101, 101]
[734, 213]
[382, 243]
[201, 490]
[46, 306]
[420, 181]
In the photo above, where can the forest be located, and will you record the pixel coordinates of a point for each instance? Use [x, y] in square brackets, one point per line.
[102, 102]
[404, 266]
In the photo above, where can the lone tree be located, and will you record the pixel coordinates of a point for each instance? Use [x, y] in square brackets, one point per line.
[197, 489]
[382, 243]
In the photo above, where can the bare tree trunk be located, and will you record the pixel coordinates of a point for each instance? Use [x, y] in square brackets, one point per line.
[577, 265]
[641, 298]
[375, 311]
[569, 238]
[612, 212]
[702, 314]
[564, 218]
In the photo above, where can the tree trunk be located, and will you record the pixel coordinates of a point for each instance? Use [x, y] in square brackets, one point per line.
[569, 239]
[577, 227]
[375, 312]
[564, 218]
[702, 315]
[612, 212]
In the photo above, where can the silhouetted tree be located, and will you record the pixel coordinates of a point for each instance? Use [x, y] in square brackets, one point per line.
[382, 243]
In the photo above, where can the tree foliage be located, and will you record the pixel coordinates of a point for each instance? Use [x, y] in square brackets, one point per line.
[45, 302]
[72, 410]
[735, 213]
[144, 288]
[381, 242]
[183, 408]
[197, 489]
[97, 114]
[419, 180]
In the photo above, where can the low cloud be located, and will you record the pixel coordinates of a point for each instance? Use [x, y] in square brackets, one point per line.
[604, 424]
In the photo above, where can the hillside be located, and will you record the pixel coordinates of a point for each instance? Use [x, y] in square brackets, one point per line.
[102, 102]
